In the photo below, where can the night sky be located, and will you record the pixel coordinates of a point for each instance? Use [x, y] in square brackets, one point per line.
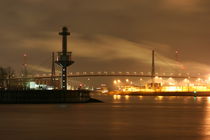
[108, 35]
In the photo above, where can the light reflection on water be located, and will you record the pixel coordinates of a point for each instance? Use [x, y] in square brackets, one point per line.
[159, 98]
[127, 97]
[199, 106]
[116, 97]
[206, 122]
[140, 97]
[118, 118]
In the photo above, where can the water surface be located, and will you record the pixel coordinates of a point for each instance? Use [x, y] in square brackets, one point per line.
[118, 118]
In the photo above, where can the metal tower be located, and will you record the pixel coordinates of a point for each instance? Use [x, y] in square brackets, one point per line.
[153, 69]
[64, 57]
[53, 70]
[153, 64]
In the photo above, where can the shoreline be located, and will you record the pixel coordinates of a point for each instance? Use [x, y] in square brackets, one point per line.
[162, 93]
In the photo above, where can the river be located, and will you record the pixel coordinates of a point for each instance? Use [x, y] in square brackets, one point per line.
[118, 118]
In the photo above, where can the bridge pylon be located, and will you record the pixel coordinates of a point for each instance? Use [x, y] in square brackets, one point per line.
[153, 69]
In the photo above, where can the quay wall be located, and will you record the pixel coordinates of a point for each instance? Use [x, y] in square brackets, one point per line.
[44, 96]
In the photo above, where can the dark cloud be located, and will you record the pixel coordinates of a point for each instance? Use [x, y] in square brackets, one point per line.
[106, 33]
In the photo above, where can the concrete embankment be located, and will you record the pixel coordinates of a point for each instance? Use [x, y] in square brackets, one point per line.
[44, 96]
[93, 100]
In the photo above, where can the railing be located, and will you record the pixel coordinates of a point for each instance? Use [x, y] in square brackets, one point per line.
[63, 57]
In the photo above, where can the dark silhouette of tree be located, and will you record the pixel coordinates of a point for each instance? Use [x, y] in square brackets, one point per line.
[5, 75]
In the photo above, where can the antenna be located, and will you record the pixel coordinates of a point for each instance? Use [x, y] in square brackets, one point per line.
[177, 56]
[153, 64]
[25, 71]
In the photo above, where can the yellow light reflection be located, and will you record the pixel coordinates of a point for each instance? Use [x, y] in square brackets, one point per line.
[117, 97]
[159, 98]
[127, 97]
[140, 97]
[206, 122]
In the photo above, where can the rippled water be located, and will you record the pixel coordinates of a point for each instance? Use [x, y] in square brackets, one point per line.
[119, 117]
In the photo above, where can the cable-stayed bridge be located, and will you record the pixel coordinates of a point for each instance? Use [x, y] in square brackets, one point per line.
[114, 74]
